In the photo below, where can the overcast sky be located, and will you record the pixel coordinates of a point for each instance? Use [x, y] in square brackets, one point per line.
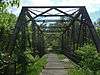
[91, 5]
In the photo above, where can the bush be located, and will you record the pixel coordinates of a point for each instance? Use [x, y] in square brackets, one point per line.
[34, 64]
[36, 68]
[90, 59]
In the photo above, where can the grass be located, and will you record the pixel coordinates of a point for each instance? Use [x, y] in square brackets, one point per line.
[60, 56]
[81, 71]
[75, 70]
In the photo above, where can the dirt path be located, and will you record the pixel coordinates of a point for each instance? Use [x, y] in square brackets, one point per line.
[54, 66]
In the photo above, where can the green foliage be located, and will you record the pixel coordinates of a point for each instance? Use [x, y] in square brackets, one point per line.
[7, 20]
[90, 58]
[34, 64]
[79, 71]
[7, 23]
[4, 5]
[36, 68]
[98, 31]
[30, 58]
[23, 59]
[61, 56]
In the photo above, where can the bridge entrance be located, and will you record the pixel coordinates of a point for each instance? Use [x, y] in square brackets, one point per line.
[62, 28]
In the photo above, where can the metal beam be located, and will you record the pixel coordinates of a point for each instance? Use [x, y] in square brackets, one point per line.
[53, 15]
[42, 13]
[54, 27]
[32, 12]
[53, 6]
[51, 20]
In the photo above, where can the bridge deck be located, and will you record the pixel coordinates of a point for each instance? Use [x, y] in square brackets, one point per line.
[54, 66]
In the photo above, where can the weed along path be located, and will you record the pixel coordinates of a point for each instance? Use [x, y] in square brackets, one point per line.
[54, 66]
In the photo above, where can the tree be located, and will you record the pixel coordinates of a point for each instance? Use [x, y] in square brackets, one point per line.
[97, 24]
[7, 22]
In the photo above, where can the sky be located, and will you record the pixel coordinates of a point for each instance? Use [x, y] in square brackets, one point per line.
[92, 6]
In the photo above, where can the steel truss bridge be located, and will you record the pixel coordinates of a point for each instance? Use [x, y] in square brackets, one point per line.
[75, 29]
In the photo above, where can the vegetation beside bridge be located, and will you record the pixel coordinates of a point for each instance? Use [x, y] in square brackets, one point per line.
[24, 42]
